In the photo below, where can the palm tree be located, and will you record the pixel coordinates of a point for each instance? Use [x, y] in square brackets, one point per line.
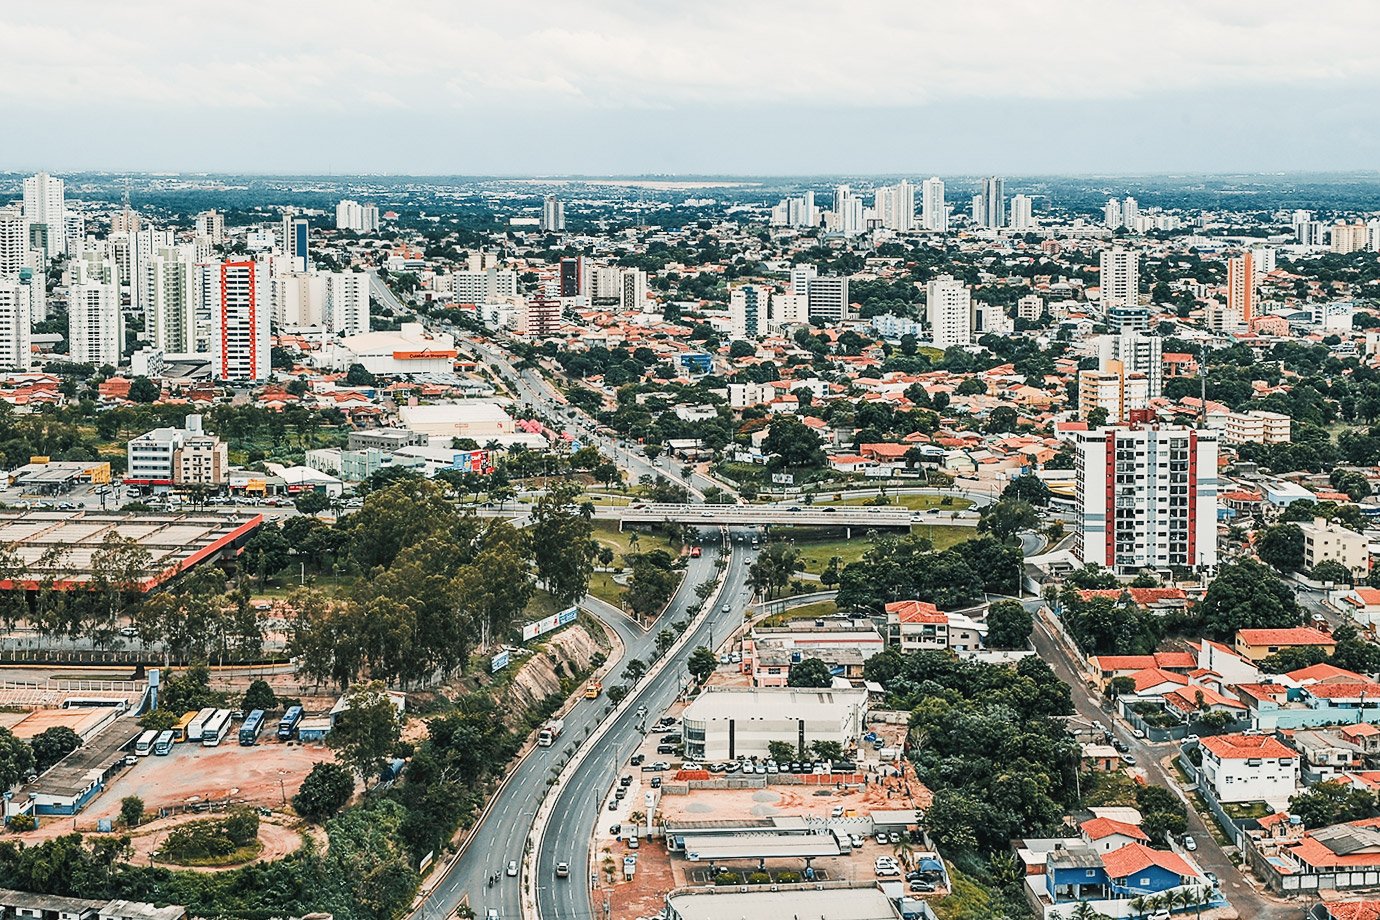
[1181, 897]
[904, 850]
[1140, 906]
[1085, 911]
[1200, 898]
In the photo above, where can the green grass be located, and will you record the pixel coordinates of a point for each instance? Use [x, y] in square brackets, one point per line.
[805, 612]
[606, 533]
[913, 502]
[541, 605]
[1103, 790]
[602, 586]
[1247, 809]
[288, 582]
[815, 551]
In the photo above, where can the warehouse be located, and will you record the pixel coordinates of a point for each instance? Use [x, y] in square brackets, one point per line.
[726, 723]
[409, 351]
[858, 903]
[62, 545]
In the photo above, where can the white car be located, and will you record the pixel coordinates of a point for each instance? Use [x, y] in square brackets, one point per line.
[512, 868]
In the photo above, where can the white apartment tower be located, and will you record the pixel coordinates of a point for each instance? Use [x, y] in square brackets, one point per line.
[895, 206]
[14, 242]
[361, 218]
[633, 292]
[1111, 214]
[948, 309]
[45, 203]
[934, 212]
[239, 324]
[1022, 217]
[295, 245]
[1134, 353]
[95, 323]
[992, 203]
[166, 288]
[347, 303]
[1146, 498]
[16, 325]
[552, 215]
[826, 298]
[847, 217]
[747, 309]
[211, 225]
[1120, 284]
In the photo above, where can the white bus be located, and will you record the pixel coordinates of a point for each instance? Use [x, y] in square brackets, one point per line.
[163, 746]
[198, 725]
[144, 746]
[216, 728]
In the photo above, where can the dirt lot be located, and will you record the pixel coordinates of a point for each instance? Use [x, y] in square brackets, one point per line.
[261, 775]
[278, 841]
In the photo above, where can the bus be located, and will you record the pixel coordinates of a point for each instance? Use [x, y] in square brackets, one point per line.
[197, 726]
[287, 725]
[144, 746]
[163, 746]
[180, 729]
[216, 728]
[249, 731]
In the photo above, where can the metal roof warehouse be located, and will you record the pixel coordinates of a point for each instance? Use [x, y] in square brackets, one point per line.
[61, 545]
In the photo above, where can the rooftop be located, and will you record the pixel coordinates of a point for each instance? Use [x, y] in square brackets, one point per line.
[868, 903]
[1239, 747]
[771, 702]
[1295, 635]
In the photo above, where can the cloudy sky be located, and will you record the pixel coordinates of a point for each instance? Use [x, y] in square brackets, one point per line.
[691, 86]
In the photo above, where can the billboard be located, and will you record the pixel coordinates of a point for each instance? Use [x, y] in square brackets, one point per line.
[546, 624]
[783, 479]
[473, 461]
[500, 661]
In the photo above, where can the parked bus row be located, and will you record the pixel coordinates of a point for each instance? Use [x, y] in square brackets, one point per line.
[208, 727]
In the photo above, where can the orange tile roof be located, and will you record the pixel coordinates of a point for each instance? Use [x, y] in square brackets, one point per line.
[1098, 828]
[1296, 635]
[1153, 677]
[1242, 747]
[1328, 691]
[916, 612]
[1324, 671]
[1352, 910]
[1135, 857]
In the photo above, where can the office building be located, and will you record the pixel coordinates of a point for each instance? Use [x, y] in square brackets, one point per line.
[990, 206]
[934, 213]
[552, 215]
[45, 205]
[539, 317]
[1022, 217]
[359, 218]
[16, 325]
[747, 309]
[347, 303]
[1136, 353]
[167, 299]
[826, 298]
[239, 324]
[294, 242]
[1146, 497]
[211, 225]
[724, 723]
[1120, 286]
[176, 456]
[1241, 287]
[948, 310]
[895, 206]
[95, 324]
[14, 242]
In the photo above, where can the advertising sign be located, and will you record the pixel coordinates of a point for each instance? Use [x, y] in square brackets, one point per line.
[546, 624]
[500, 661]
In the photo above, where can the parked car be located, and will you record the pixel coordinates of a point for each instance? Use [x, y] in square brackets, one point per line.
[920, 885]
[1128, 759]
[1189, 843]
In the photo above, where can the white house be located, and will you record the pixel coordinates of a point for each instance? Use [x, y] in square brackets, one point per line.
[1250, 768]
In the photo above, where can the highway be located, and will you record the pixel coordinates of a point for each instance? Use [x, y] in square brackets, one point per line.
[500, 834]
[579, 803]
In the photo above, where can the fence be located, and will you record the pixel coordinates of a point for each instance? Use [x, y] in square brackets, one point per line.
[106, 657]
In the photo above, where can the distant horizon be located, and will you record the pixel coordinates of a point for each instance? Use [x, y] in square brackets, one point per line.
[20, 172]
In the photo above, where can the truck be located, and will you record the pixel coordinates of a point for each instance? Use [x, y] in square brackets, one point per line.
[550, 732]
[593, 689]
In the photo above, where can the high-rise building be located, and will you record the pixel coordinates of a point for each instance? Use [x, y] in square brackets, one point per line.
[1241, 287]
[1146, 498]
[847, 216]
[934, 211]
[539, 317]
[826, 298]
[1021, 216]
[480, 287]
[1111, 214]
[633, 292]
[16, 325]
[994, 202]
[347, 303]
[299, 299]
[295, 242]
[552, 215]
[360, 218]
[1348, 238]
[801, 276]
[211, 224]
[74, 225]
[1113, 390]
[239, 326]
[1137, 353]
[1120, 285]
[1262, 260]
[748, 305]
[14, 242]
[574, 277]
[95, 323]
[1030, 307]
[45, 204]
[895, 206]
[167, 299]
[1130, 213]
[948, 309]
[799, 211]
[1307, 231]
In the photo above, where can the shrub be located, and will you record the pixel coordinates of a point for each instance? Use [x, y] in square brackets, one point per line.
[21, 823]
[727, 878]
[324, 792]
[131, 810]
[759, 878]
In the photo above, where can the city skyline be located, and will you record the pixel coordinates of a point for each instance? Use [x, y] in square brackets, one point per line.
[484, 92]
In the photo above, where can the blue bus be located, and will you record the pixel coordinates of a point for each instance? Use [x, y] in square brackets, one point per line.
[287, 725]
[249, 731]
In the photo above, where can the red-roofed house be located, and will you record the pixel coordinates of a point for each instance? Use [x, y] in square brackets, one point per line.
[1136, 870]
[916, 626]
[1105, 835]
[1363, 604]
[1250, 768]
[1346, 910]
[1109, 666]
[1256, 644]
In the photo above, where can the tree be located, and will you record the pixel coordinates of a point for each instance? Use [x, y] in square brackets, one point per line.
[326, 790]
[1030, 489]
[16, 759]
[1002, 419]
[1009, 625]
[1006, 518]
[792, 443]
[1281, 546]
[1247, 595]
[366, 731]
[780, 751]
[144, 390]
[1097, 417]
[260, 696]
[53, 744]
[702, 663]
[809, 672]
[1333, 571]
[971, 386]
[826, 750]
[312, 502]
[562, 540]
[359, 376]
[1335, 802]
[652, 584]
[131, 810]
[739, 349]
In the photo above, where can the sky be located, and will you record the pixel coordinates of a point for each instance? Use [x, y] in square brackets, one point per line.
[625, 87]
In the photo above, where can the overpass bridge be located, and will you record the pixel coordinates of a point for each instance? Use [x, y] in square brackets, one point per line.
[847, 517]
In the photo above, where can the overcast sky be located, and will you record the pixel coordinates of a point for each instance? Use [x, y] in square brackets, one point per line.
[685, 86]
